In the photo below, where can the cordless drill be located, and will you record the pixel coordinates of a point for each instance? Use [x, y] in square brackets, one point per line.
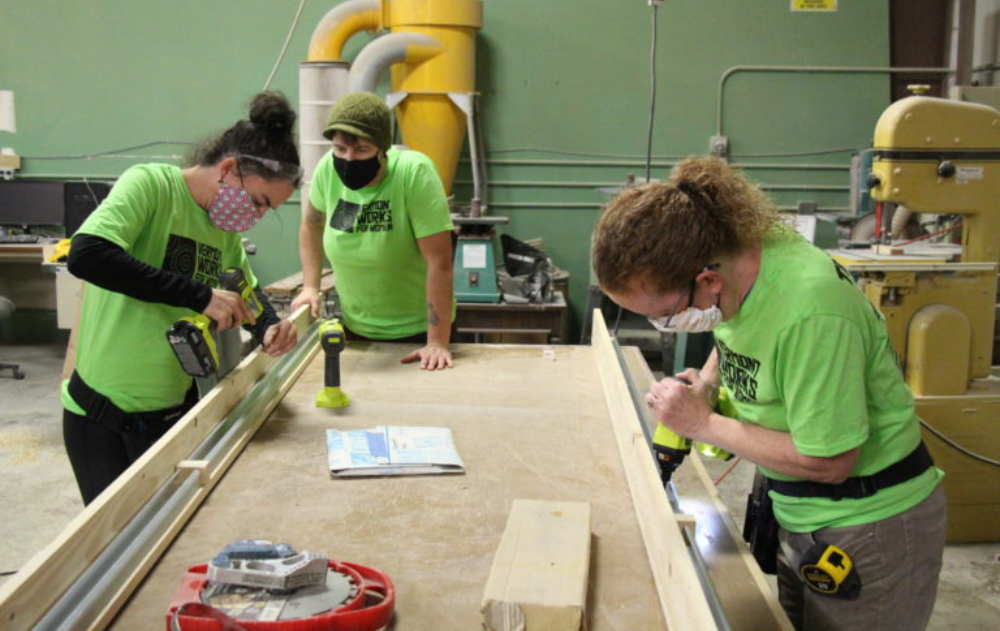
[331, 339]
[672, 448]
[191, 337]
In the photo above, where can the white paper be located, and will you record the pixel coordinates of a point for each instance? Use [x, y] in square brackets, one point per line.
[392, 450]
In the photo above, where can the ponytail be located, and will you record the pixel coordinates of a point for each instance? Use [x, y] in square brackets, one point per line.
[662, 235]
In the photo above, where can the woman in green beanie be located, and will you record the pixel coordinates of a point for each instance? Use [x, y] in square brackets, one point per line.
[381, 217]
[819, 402]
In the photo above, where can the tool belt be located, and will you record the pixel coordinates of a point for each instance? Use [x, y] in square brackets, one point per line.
[760, 527]
[100, 408]
[918, 461]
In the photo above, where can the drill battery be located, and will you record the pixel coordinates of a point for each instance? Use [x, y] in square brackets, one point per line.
[192, 338]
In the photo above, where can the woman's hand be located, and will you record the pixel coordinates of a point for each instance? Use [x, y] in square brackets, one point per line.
[280, 338]
[432, 357]
[682, 407]
[307, 296]
[228, 310]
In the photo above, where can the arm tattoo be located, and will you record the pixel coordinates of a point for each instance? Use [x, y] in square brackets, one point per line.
[432, 316]
[314, 216]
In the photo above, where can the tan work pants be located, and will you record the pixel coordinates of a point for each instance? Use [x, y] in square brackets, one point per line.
[898, 560]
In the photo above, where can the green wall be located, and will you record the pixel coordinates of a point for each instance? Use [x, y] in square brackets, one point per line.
[570, 77]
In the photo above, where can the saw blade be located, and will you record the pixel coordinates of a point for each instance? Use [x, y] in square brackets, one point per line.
[249, 603]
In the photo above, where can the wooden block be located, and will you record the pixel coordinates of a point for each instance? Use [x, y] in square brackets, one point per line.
[10, 162]
[540, 568]
[888, 250]
[290, 285]
[200, 466]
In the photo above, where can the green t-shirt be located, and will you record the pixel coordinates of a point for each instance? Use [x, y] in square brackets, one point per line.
[808, 354]
[122, 350]
[371, 241]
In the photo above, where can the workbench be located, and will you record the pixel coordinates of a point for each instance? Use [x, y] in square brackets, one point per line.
[545, 323]
[536, 422]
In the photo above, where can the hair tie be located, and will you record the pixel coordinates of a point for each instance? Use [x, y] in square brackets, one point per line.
[696, 194]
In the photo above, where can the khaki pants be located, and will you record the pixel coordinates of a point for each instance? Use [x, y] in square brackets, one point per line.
[898, 560]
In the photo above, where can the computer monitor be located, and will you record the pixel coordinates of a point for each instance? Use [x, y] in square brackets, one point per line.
[82, 197]
[26, 202]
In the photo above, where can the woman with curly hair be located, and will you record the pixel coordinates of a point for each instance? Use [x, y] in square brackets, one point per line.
[821, 405]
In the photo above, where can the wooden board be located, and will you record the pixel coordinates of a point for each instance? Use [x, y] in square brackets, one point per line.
[526, 427]
[37, 585]
[682, 600]
[540, 567]
[289, 286]
[746, 597]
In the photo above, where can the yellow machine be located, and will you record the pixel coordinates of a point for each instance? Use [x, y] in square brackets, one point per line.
[940, 156]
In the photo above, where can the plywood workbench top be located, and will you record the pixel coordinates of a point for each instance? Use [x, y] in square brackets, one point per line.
[526, 427]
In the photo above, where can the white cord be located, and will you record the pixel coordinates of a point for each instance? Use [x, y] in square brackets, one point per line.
[284, 48]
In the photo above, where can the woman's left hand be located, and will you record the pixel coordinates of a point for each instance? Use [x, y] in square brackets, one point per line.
[432, 357]
[280, 338]
[682, 407]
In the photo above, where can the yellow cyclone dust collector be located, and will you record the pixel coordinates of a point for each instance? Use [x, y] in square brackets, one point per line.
[431, 50]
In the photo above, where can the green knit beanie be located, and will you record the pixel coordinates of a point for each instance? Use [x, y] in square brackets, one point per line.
[364, 115]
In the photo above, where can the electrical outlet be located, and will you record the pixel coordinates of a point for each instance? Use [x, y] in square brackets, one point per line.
[6, 174]
[718, 146]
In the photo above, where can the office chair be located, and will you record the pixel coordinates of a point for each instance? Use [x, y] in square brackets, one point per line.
[6, 310]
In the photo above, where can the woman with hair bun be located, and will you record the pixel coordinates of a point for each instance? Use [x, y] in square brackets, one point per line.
[152, 253]
[821, 405]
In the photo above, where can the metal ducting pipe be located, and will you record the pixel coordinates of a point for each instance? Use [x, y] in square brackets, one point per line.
[321, 83]
[339, 24]
[385, 51]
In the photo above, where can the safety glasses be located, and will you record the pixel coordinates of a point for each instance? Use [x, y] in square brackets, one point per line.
[290, 172]
[662, 324]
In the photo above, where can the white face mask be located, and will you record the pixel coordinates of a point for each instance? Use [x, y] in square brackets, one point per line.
[691, 320]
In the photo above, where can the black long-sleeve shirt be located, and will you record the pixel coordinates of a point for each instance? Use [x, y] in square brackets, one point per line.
[105, 264]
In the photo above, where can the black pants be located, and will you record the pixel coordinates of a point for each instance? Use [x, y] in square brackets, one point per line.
[99, 454]
[351, 336]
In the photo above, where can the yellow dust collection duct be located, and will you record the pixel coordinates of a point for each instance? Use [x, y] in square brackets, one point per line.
[431, 52]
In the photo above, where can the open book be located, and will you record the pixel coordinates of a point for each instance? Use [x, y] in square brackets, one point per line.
[392, 450]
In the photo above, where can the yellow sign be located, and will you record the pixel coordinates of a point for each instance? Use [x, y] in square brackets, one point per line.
[814, 5]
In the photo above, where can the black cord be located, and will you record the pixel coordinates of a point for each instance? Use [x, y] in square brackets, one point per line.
[652, 95]
[87, 156]
[958, 447]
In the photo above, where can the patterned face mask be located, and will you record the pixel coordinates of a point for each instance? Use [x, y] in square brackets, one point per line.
[233, 209]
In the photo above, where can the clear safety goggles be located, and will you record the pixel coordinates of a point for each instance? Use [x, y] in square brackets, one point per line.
[290, 172]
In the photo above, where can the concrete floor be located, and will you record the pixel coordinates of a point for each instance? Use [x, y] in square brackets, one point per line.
[39, 495]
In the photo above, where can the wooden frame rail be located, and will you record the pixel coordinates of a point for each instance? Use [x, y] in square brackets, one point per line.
[42, 582]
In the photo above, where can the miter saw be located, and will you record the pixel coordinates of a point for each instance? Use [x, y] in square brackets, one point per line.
[255, 585]
[939, 156]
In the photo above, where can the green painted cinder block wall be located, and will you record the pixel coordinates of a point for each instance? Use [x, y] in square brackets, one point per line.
[565, 88]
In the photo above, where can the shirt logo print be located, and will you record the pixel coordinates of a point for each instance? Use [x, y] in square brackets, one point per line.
[739, 373]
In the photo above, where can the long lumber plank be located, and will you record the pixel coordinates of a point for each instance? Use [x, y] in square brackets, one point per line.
[730, 564]
[43, 580]
[683, 603]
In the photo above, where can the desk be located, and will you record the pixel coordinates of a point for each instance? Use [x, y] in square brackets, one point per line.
[513, 323]
[31, 282]
[22, 279]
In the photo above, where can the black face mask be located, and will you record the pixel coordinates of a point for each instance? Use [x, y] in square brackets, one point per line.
[356, 174]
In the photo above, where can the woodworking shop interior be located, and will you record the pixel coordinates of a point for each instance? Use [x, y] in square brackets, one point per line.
[873, 126]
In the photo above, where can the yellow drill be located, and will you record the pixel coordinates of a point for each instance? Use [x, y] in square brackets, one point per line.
[331, 339]
[671, 448]
[191, 337]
